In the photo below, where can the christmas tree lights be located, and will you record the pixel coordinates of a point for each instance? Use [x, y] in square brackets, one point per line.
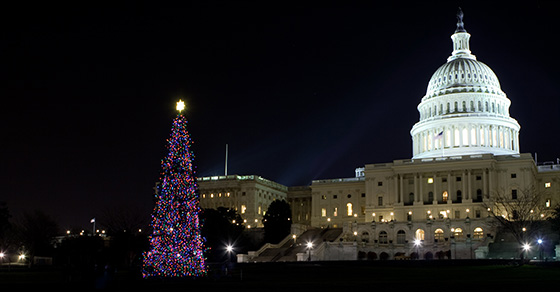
[176, 245]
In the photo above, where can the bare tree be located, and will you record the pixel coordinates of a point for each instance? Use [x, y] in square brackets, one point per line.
[520, 212]
[121, 219]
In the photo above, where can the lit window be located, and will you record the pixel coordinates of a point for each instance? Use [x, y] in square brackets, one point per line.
[458, 233]
[349, 209]
[547, 184]
[243, 209]
[335, 212]
[478, 233]
[548, 203]
[211, 195]
[323, 212]
[445, 196]
[431, 180]
[419, 234]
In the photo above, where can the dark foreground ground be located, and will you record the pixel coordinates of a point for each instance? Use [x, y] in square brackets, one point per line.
[314, 276]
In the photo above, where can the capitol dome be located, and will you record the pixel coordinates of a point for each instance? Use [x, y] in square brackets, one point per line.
[464, 111]
[461, 73]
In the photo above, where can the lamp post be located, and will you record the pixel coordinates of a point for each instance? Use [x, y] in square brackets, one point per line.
[540, 242]
[417, 243]
[526, 247]
[229, 250]
[309, 247]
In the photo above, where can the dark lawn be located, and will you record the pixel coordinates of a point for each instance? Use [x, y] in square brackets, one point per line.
[323, 276]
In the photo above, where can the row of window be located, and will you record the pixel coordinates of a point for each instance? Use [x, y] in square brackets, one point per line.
[457, 233]
[497, 108]
[324, 197]
[349, 211]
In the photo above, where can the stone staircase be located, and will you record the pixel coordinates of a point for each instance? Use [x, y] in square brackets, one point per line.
[287, 249]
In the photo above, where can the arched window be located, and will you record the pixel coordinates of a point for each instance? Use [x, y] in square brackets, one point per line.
[401, 237]
[445, 196]
[479, 195]
[478, 233]
[419, 235]
[411, 197]
[459, 196]
[349, 210]
[383, 237]
[438, 235]
[365, 237]
[458, 233]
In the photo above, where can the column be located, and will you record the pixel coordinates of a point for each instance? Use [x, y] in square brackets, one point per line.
[464, 184]
[449, 187]
[397, 198]
[401, 189]
[490, 178]
[420, 192]
[477, 129]
[484, 182]
[415, 188]
[435, 189]
[469, 186]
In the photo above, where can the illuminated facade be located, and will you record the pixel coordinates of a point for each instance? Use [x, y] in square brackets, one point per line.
[249, 195]
[434, 205]
[465, 150]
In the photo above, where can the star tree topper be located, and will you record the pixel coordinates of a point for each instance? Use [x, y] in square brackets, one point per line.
[180, 105]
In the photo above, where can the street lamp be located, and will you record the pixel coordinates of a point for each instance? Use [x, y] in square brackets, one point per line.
[229, 250]
[526, 247]
[417, 243]
[309, 247]
[540, 242]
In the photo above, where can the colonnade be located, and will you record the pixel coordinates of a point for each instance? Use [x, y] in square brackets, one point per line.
[470, 135]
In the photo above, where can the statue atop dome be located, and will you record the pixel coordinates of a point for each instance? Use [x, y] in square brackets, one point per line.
[460, 24]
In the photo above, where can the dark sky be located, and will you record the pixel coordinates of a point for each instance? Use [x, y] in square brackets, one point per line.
[299, 91]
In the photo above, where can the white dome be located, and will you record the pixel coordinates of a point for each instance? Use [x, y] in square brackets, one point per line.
[464, 111]
[463, 73]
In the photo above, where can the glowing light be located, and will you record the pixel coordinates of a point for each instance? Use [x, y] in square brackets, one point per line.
[229, 248]
[309, 244]
[180, 105]
[526, 247]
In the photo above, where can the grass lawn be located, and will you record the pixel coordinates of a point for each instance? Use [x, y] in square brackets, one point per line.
[317, 276]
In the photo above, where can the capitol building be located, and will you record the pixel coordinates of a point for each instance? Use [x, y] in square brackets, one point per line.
[434, 205]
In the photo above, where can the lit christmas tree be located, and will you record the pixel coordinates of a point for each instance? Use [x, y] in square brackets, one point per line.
[176, 246]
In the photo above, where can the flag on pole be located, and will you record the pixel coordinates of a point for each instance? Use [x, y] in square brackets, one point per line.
[439, 136]
[92, 220]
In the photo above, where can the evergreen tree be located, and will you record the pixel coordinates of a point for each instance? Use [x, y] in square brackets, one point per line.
[277, 221]
[176, 245]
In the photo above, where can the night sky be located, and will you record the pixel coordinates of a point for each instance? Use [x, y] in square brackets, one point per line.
[299, 91]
